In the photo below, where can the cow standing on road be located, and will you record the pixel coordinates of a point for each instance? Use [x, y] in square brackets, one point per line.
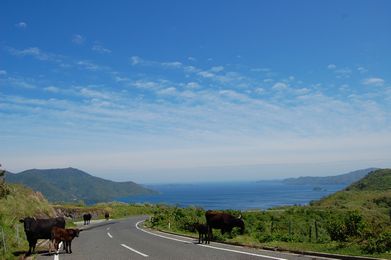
[40, 229]
[107, 215]
[223, 221]
[65, 235]
[203, 232]
[87, 218]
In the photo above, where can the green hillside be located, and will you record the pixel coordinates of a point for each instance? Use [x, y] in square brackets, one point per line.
[72, 185]
[371, 195]
[347, 178]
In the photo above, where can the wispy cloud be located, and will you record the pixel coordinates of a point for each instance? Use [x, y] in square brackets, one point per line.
[331, 66]
[21, 25]
[78, 39]
[100, 49]
[32, 51]
[279, 86]
[3, 72]
[373, 81]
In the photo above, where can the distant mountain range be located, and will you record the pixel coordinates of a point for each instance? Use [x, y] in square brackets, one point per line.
[346, 179]
[72, 185]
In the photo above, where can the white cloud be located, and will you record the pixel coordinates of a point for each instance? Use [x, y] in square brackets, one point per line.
[167, 91]
[280, 86]
[191, 58]
[88, 65]
[78, 39]
[206, 74]
[192, 85]
[135, 60]
[52, 89]
[373, 81]
[217, 69]
[21, 25]
[32, 51]
[172, 64]
[343, 73]
[3, 72]
[331, 66]
[100, 49]
[362, 69]
[259, 91]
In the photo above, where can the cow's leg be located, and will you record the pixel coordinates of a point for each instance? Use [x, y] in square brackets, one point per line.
[32, 245]
[70, 246]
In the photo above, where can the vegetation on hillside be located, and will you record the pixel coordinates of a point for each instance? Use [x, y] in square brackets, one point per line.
[347, 178]
[19, 203]
[355, 221]
[72, 185]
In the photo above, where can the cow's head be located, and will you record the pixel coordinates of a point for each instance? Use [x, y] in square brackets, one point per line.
[240, 224]
[75, 232]
[28, 223]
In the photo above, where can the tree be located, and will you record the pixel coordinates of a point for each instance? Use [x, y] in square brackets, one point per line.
[3, 188]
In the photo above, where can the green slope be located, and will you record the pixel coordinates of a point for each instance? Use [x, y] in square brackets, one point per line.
[371, 196]
[347, 178]
[70, 185]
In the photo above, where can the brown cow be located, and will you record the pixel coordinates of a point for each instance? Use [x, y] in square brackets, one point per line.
[65, 235]
[223, 221]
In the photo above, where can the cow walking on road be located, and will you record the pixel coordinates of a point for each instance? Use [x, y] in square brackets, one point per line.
[223, 221]
[87, 218]
[40, 229]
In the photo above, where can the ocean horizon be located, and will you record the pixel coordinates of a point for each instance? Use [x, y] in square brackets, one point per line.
[258, 195]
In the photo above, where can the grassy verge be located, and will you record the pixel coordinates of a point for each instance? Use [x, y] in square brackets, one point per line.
[291, 228]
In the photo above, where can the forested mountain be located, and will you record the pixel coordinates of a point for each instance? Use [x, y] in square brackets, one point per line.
[72, 185]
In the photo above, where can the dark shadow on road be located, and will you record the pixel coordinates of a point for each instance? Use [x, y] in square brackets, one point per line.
[102, 224]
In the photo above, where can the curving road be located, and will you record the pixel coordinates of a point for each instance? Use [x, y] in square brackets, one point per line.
[127, 239]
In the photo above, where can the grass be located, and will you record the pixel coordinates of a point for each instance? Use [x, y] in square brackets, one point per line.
[19, 203]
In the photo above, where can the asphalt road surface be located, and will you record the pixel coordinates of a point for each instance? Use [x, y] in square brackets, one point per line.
[128, 239]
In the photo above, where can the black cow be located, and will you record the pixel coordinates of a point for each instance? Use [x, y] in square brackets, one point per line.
[203, 232]
[40, 229]
[87, 217]
[107, 215]
[223, 221]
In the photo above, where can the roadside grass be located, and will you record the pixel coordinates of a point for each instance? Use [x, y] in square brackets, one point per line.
[298, 228]
[19, 203]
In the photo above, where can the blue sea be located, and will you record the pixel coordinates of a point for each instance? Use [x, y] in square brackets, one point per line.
[234, 195]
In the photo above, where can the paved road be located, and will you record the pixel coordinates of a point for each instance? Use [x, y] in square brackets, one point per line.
[127, 239]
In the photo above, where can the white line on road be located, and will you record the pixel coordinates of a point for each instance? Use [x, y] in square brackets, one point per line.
[109, 235]
[208, 246]
[134, 250]
[175, 239]
[242, 252]
[56, 257]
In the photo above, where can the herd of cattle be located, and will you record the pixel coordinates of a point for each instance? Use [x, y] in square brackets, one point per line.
[54, 229]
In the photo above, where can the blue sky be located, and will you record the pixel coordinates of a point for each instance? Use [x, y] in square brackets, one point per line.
[174, 91]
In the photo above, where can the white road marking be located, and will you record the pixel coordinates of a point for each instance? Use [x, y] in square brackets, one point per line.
[56, 256]
[134, 250]
[208, 246]
[242, 252]
[109, 235]
[171, 238]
